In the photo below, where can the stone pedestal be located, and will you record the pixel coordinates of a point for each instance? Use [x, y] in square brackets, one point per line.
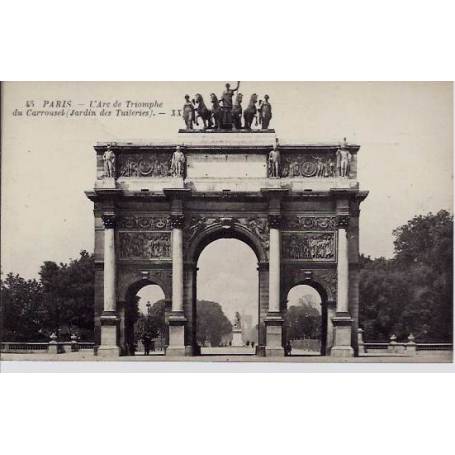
[237, 337]
[274, 335]
[342, 323]
[109, 329]
[411, 346]
[53, 345]
[176, 346]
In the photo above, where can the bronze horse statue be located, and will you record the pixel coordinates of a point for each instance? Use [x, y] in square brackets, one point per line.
[202, 111]
[237, 112]
[216, 111]
[250, 112]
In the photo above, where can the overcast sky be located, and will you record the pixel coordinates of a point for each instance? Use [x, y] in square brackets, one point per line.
[405, 160]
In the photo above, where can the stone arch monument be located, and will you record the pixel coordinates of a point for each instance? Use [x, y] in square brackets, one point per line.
[160, 204]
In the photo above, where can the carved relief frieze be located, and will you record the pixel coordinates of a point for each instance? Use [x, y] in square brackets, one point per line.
[144, 245]
[157, 223]
[303, 165]
[155, 164]
[309, 246]
[314, 223]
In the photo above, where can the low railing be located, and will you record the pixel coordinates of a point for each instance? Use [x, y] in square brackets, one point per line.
[20, 347]
[83, 345]
[43, 347]
[378, 345]
[434, 346]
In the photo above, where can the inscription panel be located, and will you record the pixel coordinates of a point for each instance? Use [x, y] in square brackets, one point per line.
[226, 165]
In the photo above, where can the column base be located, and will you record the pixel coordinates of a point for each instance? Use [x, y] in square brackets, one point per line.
[108, 352]
[274, 352]
[109, 342]
[177, 323]
[342, 324]
[342, 351]
[176, 351]
[274, 335]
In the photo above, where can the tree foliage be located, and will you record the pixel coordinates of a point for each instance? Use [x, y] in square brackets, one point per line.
[62, 301]
[412, 292]
[302, 321]
[153, 323]
[21, 309]
[212, 323]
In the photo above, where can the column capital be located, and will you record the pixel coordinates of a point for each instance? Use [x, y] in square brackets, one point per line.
[108, 220]
[177, 221]
[343, 221]
[274, 221]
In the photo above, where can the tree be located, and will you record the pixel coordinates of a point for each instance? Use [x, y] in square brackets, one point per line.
[412, 292]
[68, 295]
[62, 301]
[303, 320]
[212, 323]
[153, 323]
[21, 309]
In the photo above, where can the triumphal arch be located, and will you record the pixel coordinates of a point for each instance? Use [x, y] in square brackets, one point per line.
[158, 204]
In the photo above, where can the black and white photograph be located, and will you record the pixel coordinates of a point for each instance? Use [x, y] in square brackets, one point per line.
[226, 227]
[227, 221]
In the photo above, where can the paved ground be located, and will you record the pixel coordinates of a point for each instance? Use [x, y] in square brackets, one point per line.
[421, 357]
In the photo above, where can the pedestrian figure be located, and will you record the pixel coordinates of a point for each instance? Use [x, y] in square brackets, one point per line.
[146, 341]
[288, 348]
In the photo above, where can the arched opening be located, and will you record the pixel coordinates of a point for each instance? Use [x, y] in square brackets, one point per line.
[226, 307]
[145, 325]
[305, 321]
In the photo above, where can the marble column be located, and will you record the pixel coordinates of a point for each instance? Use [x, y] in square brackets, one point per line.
[109, 320]
[342, 321]
[177, 263]
[274, 320]
[176, 317]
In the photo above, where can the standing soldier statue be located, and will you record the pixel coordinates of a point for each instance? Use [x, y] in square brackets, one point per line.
[109, 163]
[226, 99]
[177, 162]
[274, 161]
[188, 113]
[265, 112]
[343, 160]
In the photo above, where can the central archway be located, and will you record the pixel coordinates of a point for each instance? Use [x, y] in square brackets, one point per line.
[227, 285]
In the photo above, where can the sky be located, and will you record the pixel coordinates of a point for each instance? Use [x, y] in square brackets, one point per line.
[405, 131]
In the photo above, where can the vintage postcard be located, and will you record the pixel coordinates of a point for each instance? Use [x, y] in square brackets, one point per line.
[227, 221]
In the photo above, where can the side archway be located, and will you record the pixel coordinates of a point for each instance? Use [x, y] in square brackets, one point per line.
[306, 308]
[139, 315]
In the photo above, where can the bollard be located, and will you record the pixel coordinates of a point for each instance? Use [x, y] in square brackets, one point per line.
[392, 348]
[411, 346]
[74, 343]
[360, 341]
[53, 345]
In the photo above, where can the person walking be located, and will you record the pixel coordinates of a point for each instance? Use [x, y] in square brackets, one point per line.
[146, 341]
